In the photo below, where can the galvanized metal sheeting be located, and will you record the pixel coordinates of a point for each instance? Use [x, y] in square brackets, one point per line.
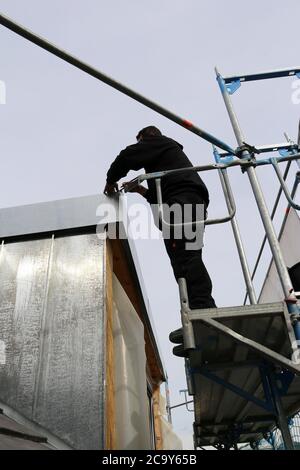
[52, 323]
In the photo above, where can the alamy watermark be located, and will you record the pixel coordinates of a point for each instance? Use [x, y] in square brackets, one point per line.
[2, 92]
[176, 222]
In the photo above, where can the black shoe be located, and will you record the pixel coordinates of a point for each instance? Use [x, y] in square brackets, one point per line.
[176, 336]
[179, 351]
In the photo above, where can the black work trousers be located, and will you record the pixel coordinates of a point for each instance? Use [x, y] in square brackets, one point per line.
[188, 263]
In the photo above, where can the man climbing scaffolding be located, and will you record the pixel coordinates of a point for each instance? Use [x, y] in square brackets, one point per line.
[155, 152]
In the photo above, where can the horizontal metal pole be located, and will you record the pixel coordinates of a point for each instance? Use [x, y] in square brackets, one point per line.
[270, 309]
[53, 49]
[211, 167]
[290, 72]
[229, 365]
[250, 420]
[243, 432]
[288, 158]
[234, 316]
[235, 389]
[228, 196]
[181, 404]
[267, 148]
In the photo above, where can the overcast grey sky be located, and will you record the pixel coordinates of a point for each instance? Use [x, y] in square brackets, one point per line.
[60, 128]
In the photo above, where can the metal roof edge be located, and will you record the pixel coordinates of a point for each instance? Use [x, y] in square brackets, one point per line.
[14, 415]
[63, 215]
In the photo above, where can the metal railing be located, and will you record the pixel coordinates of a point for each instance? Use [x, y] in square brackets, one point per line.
[222, 167]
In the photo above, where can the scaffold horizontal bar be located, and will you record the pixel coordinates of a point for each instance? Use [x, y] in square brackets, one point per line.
[248, 311]
[290, 72]
[267, 148]
[215, 166]
[249, 420]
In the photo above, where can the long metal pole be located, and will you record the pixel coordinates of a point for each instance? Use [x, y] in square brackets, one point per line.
[53, 49]
[211, 167]
[264, 213]
[181, 404]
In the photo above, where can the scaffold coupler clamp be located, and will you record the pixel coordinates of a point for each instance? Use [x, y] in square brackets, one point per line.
[251, 151]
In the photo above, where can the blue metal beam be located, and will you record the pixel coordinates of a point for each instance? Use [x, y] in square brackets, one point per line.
[266, 405]
[290, 72]
[284, 149]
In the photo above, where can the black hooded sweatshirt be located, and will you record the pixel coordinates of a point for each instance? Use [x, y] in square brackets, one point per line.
[155, 154]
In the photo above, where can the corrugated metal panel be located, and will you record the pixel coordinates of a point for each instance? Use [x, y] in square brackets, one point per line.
[70, 392]
[52, 317]
[23, 278]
